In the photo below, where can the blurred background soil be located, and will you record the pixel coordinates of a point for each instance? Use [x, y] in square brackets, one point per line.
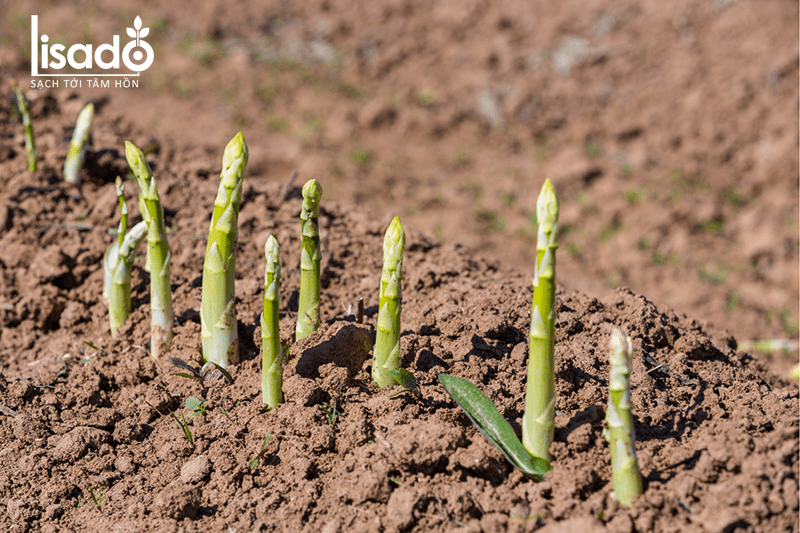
[670, 130]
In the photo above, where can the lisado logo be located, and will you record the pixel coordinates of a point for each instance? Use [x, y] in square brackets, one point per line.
[136, 56]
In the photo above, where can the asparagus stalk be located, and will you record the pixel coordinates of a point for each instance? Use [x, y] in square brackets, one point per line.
[110, 259]
[540, 396]
[624, 467]
[77, 148]
[30, 143]
[119, 294]
[387, 340]
[160, 275]
[308, 318]
[271, 357]
[217, 313]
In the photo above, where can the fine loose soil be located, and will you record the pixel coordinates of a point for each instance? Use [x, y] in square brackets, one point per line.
[717, 432]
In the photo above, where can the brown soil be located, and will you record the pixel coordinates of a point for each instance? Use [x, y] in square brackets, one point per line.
[717, 433]
[672, 141]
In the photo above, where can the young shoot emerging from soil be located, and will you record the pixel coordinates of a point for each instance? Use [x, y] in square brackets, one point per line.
[30, 143]
[624, 467]
[308, 319]
[271, 357]
[540, 397]
[217, 311]
[77, 148]
[161, 319]
[387, 340]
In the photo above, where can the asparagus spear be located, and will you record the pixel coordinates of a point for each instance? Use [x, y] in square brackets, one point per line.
[387, 341]
[110, 259]
[77, 148]
[540, 396]
[30, 143]
[160, 275]
[217, 312]
[308, 318]
[271, 357]
[624, 467]
[119, 294]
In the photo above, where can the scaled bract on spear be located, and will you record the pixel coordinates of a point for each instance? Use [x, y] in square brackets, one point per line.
[387, 340]
[308, 319]
[161, 319]
[77, 147]
[540, 397]
[271, 356]
[217, 312]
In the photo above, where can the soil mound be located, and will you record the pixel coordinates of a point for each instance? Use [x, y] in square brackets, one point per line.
[88, 443]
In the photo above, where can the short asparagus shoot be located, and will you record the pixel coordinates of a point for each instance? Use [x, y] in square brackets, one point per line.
[77, 148]
[271, 356]
[30, 143]
[540, 397]
[387, 340]
[119, 293]
[308, 319]
[161, 319]
[217, 312]
[624, 468]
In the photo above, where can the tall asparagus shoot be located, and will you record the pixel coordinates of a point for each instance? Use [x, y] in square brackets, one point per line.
[387, 340]
[217, 312]
[77, 148]
[160, 274]
[624, 467]
[271, 356]
[30, 143]
[540, 396]
[308, 318]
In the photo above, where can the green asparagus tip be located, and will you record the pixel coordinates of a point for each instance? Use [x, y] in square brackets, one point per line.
[136, 161]
[272, 251]
[547, 207]
[312, 192]
[85, 116]
[394, 240]
[235, 151]
[119, 186]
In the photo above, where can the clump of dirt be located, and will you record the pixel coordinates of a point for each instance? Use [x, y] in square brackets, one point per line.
[717, 434]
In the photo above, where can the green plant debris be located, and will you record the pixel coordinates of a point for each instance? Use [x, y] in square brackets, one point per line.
[715, 274]
[593, 149]
[634, 196]
[361, 157]
[785, 346]
[254, 461]
[407, 381]
[425, 97]
[331, 412]
[97, 497]
[277, 123]
[488, 420]
[184, 425]
[732, 300]
[714, 227]
[196, 406]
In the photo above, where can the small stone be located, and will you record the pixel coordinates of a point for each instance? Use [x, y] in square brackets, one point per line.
[196, 470]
